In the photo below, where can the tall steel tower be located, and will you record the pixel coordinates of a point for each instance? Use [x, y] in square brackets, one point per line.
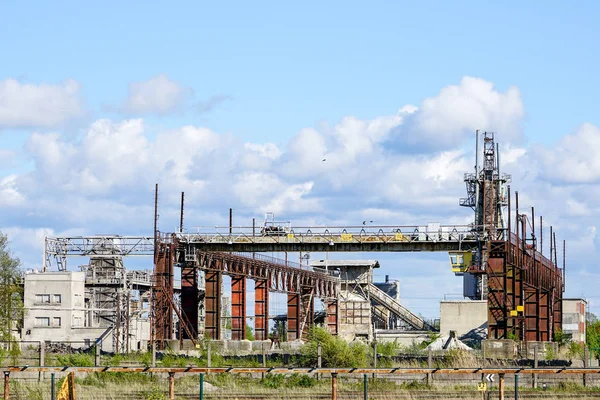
[487, 196]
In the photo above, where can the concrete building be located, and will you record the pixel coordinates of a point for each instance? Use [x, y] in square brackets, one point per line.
[573, 324]
[60, 307]
[55, 308]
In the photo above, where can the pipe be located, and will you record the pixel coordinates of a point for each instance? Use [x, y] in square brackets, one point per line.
[564, 264]
[533, 241]
[181, 215]
[541, 236]
[201, 386]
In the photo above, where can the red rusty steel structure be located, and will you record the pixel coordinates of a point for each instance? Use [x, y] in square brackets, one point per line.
[523, 287]
[301, 285]
[271, 275]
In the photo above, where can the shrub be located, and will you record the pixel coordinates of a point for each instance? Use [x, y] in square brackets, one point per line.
[336, 353]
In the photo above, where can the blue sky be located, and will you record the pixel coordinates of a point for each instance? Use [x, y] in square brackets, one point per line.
[94, 100]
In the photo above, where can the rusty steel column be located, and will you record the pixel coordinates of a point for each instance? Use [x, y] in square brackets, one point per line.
[532, 315]
[238, 307]
[293, 316]
[333, 317]
[545, 317]
[163, 289]
[189, 299]
[212, 304]
[261, 310]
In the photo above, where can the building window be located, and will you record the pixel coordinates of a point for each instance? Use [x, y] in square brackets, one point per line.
[78, 300]
[42, 298]
[42, 321]
[57, 298]
[56, 321]
[76, 322]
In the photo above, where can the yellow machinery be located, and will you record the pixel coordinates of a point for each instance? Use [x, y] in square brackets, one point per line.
[460, 261]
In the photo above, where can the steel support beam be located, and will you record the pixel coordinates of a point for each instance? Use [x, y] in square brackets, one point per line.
[189, 298]
[238, 307]
[212, 304]
[162, 290]
[293, 316]
[261, 310]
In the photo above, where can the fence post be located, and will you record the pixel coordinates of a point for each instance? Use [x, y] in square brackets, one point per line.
[52, 388]
[97, 351]
[42, 359]
[201, 386]
[501, 386]
[535, 365]
[333, 386]
[154, 353]
[516, 386]
[319, 361]
[264, 359]
[430, 366]
[208, 354]
[366, 387]
[171, 386]
[585, 364]
[6, 374]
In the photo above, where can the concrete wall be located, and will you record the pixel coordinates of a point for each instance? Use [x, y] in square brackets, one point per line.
[462, 316]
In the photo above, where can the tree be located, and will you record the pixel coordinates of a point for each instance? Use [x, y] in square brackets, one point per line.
[592, 335]
[12, 311]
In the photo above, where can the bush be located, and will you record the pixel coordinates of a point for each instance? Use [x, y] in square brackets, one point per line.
[75, 360]
[336, 353]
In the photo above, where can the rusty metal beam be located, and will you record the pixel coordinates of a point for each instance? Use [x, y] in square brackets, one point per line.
[189, 298]
[261, 310]
[162, 313]
[238, 307]
[293, 316]
[282, 278]
[212, 304]
[333, 319]
[350, 371]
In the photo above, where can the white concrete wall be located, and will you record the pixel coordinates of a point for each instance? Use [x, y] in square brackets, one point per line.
[462, 316]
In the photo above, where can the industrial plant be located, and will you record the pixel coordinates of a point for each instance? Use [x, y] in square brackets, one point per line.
[511, 287]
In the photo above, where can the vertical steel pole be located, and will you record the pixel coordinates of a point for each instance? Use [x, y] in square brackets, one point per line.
[535, 365]
[181, 215]
[202, 386]
[516, 386]
[333, 386]
[230, 221]
[171, 386]
[366, 387]
[208, 355]
[52, 387]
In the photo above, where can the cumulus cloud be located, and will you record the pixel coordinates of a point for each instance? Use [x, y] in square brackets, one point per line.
[575, 159]
[25, 105]
[458, 110]
[158, 95]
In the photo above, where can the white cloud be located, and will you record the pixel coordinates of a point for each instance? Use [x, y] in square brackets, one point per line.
[458, 110]
[25, 105]
[575, 159]
[158, 95]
